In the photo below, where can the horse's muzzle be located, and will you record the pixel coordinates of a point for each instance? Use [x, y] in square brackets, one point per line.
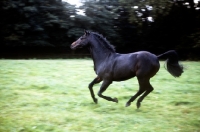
[73, 45]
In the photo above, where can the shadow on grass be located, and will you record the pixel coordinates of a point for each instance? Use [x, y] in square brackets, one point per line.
[183, 103]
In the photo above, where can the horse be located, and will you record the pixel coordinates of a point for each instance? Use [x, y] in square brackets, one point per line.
[111, 66]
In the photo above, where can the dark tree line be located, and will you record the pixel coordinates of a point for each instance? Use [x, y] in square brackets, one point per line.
[156, 25]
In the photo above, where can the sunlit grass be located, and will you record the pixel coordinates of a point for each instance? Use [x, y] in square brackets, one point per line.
[52, 95]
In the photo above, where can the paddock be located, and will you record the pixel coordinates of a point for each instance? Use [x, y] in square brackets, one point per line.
[53, 95]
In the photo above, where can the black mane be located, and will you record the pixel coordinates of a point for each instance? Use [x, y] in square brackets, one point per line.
[105, 41]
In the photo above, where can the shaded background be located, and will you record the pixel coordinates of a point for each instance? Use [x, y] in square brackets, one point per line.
[46, 28]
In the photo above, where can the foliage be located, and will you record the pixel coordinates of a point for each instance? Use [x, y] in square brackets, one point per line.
[47, 23]
[129, 25]
[35, 22]
[52, 95]
[161, 25]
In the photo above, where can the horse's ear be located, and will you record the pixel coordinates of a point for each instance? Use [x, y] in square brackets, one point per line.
[86, 32]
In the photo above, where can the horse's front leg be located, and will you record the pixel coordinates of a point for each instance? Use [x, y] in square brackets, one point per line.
[96, 80]
[104, 86]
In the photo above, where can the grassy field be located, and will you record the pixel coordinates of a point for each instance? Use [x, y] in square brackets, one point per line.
[52, 96]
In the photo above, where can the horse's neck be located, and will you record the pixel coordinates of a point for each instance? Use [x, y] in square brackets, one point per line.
[99, 54]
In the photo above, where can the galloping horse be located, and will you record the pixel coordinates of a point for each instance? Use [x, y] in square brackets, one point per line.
[111, 66]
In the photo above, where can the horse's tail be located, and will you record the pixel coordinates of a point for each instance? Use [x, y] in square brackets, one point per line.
[172, 65]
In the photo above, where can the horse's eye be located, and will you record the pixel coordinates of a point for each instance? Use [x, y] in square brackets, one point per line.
[82, 38]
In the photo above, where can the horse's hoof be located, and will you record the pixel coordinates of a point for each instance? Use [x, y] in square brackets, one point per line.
[128, 104]
[138, 105]
[95, 101]
[115, 100]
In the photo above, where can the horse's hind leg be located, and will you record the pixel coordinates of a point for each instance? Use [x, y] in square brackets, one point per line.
[144, 87]
[140, 91]
[149, 89]
[96, 80]
[104, 86]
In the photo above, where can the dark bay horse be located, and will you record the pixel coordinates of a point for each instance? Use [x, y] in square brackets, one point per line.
[111, 66]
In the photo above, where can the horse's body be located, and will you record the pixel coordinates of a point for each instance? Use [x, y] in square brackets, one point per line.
[111, 66]
[126, 66]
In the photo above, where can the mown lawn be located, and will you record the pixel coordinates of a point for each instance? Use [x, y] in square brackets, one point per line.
[52, 96]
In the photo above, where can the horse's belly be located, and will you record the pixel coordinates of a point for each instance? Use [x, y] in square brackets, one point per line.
[123, 77]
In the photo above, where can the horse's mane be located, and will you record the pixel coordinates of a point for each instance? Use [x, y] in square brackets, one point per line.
[106, 43]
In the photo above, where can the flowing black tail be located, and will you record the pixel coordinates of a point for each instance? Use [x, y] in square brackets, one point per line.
[172, 65]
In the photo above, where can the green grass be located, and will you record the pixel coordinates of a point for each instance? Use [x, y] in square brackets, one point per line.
[52, 96]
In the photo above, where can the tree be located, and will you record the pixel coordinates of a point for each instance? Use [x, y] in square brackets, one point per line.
[35, 22]
[154, 25]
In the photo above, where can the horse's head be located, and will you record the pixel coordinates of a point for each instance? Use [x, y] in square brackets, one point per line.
[82, 41]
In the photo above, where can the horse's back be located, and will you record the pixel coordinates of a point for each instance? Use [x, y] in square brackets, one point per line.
[147, 57]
